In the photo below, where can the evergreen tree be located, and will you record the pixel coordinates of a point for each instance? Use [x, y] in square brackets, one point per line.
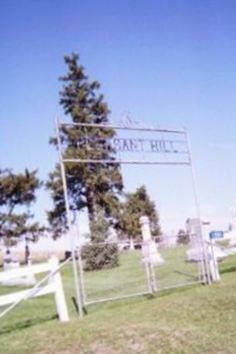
[101, 253]
[136, 205]
[17, 193]
[90, 185]
[183, 237]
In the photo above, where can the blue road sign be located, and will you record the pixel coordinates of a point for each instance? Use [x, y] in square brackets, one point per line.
[216, 234]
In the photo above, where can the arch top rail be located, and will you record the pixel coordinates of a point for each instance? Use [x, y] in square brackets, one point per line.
[127, 162]
[123, 127]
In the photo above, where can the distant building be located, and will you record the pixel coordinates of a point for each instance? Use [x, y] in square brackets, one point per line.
[230, 235]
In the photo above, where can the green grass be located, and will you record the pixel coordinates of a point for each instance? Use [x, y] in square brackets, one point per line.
[130, 278]
[195, 319]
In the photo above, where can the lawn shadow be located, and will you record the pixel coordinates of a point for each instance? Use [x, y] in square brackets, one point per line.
[188, 275]
[174, 290]
[228, 270]
[25, 324]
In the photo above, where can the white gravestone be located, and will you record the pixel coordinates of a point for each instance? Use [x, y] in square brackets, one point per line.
[193, 228]
[151, 256]
[149, 247]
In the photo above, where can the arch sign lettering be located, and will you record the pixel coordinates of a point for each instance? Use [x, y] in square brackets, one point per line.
[130, 144]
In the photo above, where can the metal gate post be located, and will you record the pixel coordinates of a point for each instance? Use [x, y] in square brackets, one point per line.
[69, 218]
[204, 263]
[81, 272]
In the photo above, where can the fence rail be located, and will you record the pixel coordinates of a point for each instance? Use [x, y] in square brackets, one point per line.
[53, 286]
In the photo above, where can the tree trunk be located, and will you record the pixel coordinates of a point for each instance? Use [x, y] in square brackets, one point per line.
[91, 209]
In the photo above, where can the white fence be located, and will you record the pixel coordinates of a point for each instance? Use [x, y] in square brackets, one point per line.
[53, 286]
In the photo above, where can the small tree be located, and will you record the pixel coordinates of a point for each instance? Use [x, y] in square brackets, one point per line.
[183, 237]
[100, 253]
[136, 205]
[17, 193]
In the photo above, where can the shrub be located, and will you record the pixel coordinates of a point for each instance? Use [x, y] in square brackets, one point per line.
[100, 256]
[101, 253]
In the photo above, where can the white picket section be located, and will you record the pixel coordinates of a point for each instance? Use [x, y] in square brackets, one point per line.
[54, 286]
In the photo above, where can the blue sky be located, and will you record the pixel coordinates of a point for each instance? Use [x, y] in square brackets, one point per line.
[166, 62]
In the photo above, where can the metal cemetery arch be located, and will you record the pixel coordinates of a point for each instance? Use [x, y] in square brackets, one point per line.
[171, 147]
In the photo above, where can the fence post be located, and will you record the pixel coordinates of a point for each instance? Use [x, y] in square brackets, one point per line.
[59, 295]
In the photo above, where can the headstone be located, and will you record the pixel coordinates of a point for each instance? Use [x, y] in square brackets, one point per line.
[10, 262]
[149, 247]
[193, 228]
